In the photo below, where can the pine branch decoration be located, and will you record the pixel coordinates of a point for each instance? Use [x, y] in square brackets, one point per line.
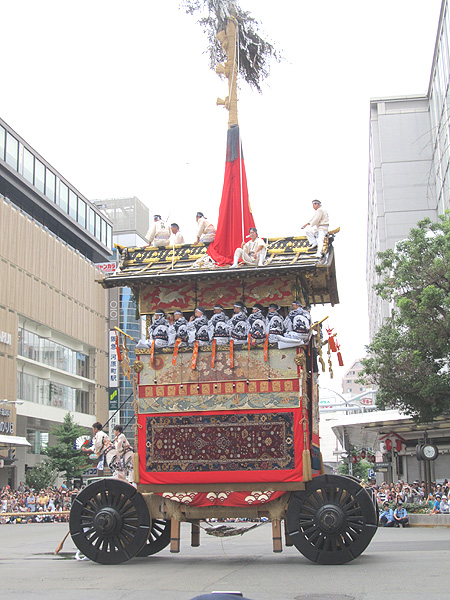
[255, 53]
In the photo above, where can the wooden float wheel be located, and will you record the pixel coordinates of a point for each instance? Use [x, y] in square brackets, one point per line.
[158, 538]
[109, 521]
[332, 521]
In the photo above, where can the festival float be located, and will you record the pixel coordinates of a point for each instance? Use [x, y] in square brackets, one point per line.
[226, 429]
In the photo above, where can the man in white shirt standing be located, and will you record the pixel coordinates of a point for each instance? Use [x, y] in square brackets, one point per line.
[253, 252]
[158, 234]
[317, 227]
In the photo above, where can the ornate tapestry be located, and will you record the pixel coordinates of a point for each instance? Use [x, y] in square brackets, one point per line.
[260, 441]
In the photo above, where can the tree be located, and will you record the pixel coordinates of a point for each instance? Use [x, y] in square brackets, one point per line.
[41, 476]
[63, 457]
[408, 358]
[255, 52]
[359, 469]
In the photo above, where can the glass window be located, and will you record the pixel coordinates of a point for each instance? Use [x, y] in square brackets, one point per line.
[103, 240]
[12, 151]
[81, 212]
[97, 226]
[63, 196]
[82, 365]
[91, 220]
[73, 205]
[28, 165]
[50, 184]
[2, 142]
[108, 236]
[39, 175]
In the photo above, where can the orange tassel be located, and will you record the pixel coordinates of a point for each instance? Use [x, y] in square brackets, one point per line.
[231, 354]
[249, 340]
[194, 355]
[152, 352]
[119, 355]
[339, 356]
[266, 348]
[175, 351]
[213, 353]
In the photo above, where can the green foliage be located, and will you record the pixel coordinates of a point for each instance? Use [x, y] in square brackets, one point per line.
[62, 456]
[255, 53]
[409, 357]
[360, 469]
[41, 476]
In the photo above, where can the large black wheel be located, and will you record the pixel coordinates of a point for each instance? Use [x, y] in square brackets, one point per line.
[332, 521]
[109, 521]
[158, 538]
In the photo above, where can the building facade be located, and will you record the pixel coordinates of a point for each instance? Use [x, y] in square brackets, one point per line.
[130, 219]
[409, 158]
[53, 312]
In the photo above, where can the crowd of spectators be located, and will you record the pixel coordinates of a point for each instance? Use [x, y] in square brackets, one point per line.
[394, 498]
[31, 506]
[415, 493]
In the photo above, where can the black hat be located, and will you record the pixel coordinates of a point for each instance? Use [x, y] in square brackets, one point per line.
[177, 312]
[199, 214]
[175, 225]
[159, 311]
[218, 306]
[275, 306]
[258, 306]
[202, 310]
[297, 302]
[156, 217]
[317, 202]
[239, 304]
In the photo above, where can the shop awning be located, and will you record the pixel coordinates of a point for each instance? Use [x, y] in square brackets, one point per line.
[13, 440]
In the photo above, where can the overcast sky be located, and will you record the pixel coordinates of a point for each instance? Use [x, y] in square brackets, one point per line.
[119, 98]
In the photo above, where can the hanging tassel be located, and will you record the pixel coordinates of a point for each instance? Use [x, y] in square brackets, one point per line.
[213, 353]
[339, 355]
[119, 355]
[152, 352]
[194, 355]
[306, 460]
[322, 466]
[175, 351]
[249, 340]
[266, 348]
[231, 354]
[331, 342]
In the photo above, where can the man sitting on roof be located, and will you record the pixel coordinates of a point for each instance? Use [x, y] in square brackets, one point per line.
[158, 234]
[253, 252]
[316, 228]
[206, 232]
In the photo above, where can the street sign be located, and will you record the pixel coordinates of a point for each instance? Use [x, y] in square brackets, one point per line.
[370, 473]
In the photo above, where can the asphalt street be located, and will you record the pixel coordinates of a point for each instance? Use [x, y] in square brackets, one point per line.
[399, 564]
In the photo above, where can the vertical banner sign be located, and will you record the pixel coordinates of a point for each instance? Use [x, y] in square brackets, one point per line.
[113, 394]
[113, 301]
[113, 421]
[113, 362]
